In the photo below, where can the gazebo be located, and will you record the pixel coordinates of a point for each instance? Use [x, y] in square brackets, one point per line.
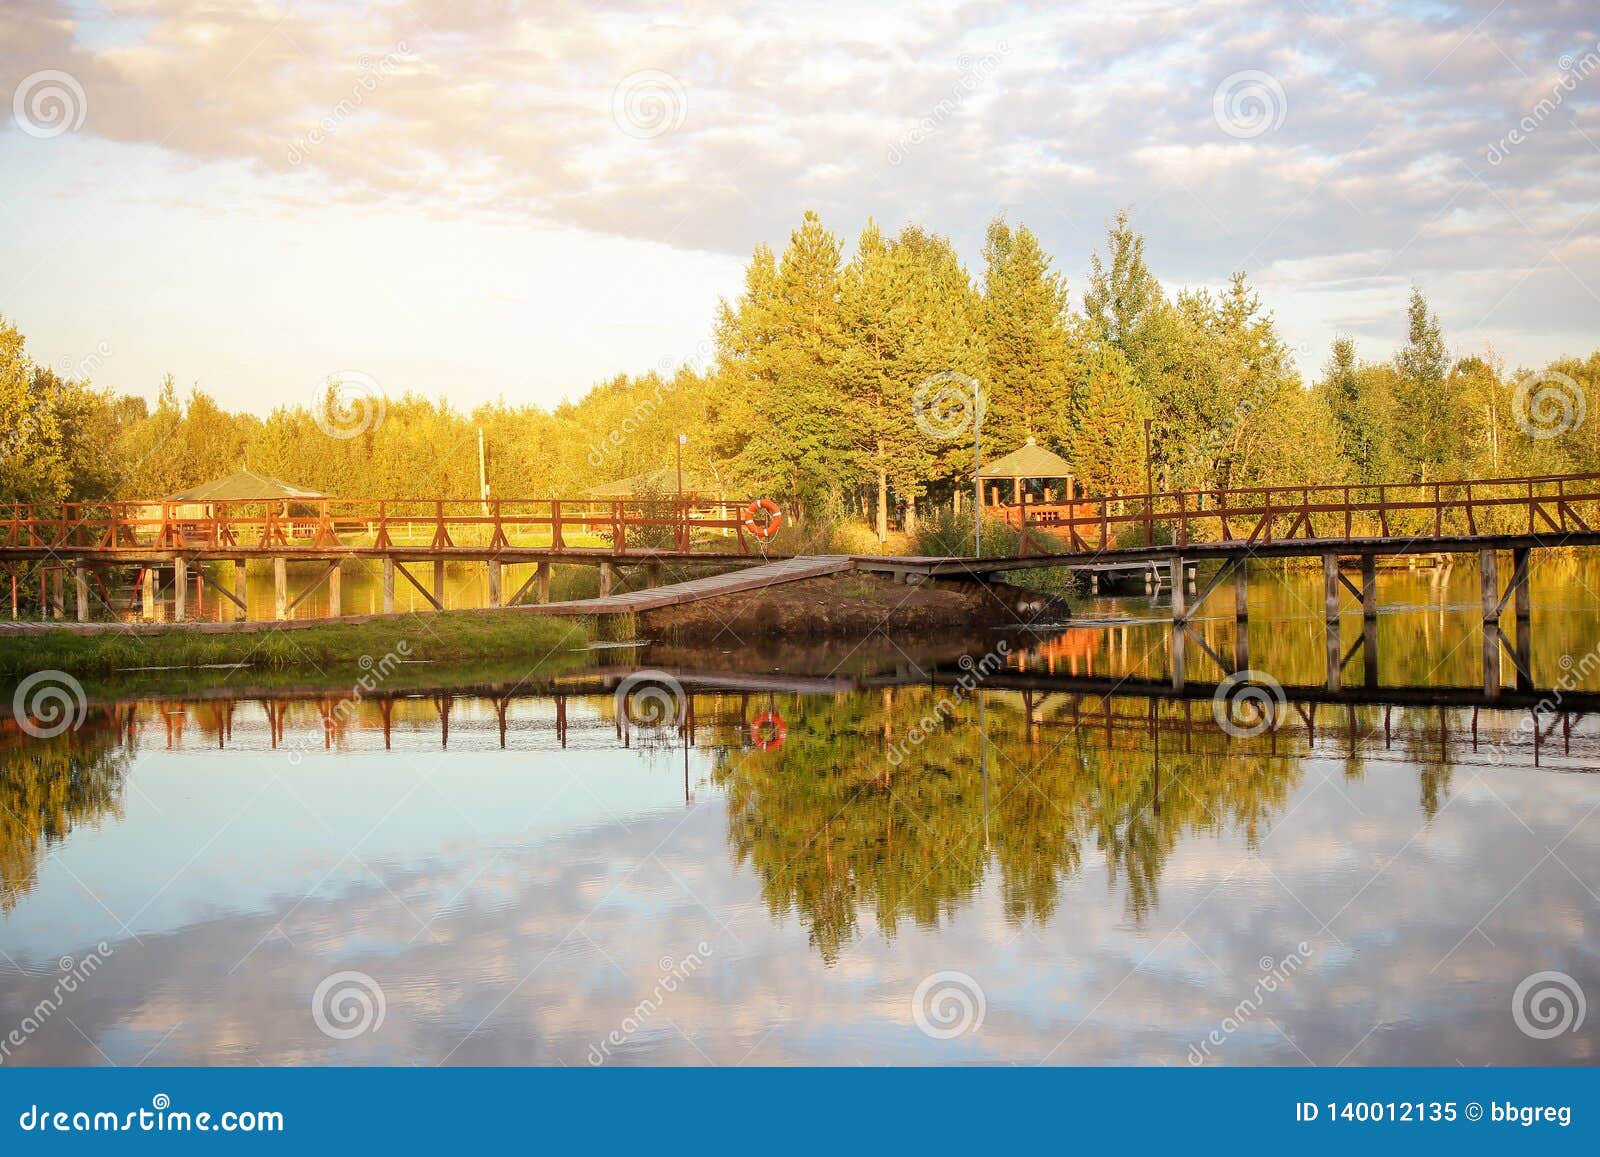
[242, 486]
[1030, 460]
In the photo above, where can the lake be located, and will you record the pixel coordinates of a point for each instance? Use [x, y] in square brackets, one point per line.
[1007, 849]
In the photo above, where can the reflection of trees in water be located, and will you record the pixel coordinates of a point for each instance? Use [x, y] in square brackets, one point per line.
[50, 786]
[833, 828]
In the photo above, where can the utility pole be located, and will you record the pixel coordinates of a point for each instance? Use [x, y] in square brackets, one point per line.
[977, 471]
[483, 474]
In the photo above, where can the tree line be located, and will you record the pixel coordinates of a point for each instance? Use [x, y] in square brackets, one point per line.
[844, 382]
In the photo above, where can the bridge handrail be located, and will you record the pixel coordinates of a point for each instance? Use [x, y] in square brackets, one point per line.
[1545, 504]
[622, 524]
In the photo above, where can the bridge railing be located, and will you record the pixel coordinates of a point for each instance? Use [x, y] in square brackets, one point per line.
[1549, 505]
[620, 525]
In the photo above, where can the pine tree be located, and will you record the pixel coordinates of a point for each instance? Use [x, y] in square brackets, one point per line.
[1027, 341]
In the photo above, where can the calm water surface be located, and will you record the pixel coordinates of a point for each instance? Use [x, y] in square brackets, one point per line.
[523, 877]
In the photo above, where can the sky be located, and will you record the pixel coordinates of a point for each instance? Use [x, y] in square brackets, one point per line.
[489, 200]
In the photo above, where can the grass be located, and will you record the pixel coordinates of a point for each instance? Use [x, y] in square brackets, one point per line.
[531, 643]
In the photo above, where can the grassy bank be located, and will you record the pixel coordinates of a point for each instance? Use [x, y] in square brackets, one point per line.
[529, 642]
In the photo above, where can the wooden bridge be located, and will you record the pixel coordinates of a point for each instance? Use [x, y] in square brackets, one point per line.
[1172, 531]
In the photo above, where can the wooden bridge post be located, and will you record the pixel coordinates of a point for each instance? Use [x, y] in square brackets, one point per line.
[1369, 651]
[1369, 587]
[1489, 584]
[280, 588]
[60, 600]
[388, 585]
[180, 588]
[495, 598]
[1176, 571]
[1179, 655]
[335, 593]
[148, 582]
[1330, 615]
[239, 574]
[606, 575]
[80, 590]
[1491, 660]
[1519, 577]
[438, 582]
[541, 582]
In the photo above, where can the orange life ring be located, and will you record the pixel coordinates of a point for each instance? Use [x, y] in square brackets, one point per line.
[768, 740]
[769, 526]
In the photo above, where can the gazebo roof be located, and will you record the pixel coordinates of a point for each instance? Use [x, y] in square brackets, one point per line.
[1030, 460]
[244, 486]
[662, 482]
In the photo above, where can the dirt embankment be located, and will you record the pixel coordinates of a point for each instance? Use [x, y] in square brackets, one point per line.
[854, 605]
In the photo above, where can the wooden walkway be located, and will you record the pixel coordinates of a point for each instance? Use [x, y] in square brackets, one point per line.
[788, 570]
[772, 574]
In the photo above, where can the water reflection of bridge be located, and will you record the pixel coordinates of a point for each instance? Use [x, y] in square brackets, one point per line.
[719, 708]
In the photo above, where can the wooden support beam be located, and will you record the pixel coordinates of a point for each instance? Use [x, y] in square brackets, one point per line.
[241, 573]
[1176, 571]
[335, 591]
[60, 608]
[1241, 590]
[542, 573]
[180, 588]
[200, 571]
[607, 574]
[494, 582]
[438, 584]
[412, 579]
[1330, 588]
[1369, 651]
[1369, 586]
[388, 585]
[1179, 657]
[327, 573]
[148, 592]
[280, 588]
[80, 590]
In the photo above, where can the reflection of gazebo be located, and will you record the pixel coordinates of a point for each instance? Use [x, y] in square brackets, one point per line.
[1028, 461]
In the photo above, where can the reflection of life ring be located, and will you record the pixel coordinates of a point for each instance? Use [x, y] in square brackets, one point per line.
[768, 731]
[763, 527]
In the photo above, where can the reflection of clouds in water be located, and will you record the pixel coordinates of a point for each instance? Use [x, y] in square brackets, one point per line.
[550, 946]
